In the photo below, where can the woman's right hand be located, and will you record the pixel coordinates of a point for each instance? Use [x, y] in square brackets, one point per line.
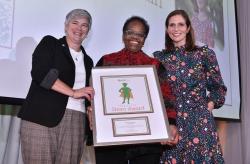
[89, 114]
[86, 92]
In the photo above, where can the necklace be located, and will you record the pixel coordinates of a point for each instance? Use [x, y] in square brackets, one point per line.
[77, 56]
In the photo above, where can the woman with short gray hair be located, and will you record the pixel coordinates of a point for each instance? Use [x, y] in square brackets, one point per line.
[54, 112]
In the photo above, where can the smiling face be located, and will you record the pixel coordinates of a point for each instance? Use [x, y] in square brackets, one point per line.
[177, 30]
[76, 31]
[134, 36]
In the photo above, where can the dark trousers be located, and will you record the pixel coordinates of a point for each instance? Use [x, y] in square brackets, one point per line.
[128, 154]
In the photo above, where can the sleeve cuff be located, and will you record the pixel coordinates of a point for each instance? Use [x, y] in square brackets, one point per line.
[50, 78]
[172, 121]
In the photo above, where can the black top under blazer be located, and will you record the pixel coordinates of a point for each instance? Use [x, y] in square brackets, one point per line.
[51, 60]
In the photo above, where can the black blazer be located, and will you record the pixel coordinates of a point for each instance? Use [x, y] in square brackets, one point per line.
[43, 105]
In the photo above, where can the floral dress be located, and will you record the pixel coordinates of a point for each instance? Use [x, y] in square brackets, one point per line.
[191, 75]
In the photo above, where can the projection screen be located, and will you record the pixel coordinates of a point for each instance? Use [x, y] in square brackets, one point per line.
[23, 23]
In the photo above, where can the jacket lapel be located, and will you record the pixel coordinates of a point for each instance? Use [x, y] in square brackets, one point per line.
[65, 49]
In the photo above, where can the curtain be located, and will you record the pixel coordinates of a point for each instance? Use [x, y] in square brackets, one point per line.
[9, 138]
[242, 130]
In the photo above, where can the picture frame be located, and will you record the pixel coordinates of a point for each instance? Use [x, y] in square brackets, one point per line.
[128, 106]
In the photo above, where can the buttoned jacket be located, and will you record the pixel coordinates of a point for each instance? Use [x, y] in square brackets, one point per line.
[51, 60]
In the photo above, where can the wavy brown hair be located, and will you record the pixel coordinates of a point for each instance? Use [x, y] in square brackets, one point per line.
[190, 40]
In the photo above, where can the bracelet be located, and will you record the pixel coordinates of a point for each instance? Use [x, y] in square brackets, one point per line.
[73, 94]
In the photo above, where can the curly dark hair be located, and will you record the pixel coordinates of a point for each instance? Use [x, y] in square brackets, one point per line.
[139, 19]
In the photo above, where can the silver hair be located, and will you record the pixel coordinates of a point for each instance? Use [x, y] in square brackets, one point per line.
[76, 13]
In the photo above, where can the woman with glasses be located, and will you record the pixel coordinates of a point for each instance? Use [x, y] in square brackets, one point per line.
[135, 32]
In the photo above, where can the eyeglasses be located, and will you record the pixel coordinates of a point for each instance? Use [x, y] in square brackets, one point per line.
[131, 33]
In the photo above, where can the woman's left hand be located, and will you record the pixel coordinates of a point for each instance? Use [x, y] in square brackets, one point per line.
[210, 106]
[175, 136]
